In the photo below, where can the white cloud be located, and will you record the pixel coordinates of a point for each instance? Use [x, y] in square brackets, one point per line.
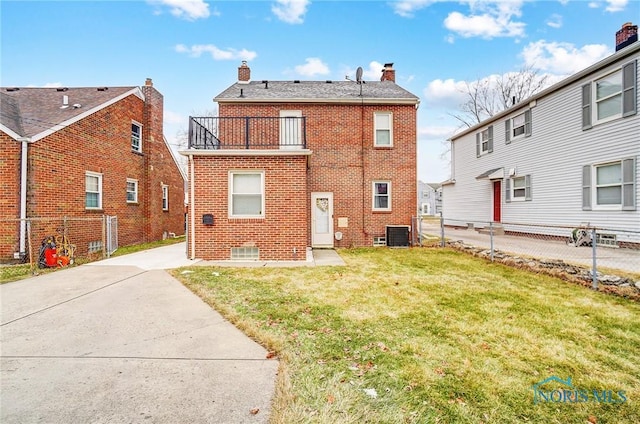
[185, 9]
[616, 5]
[290, 11]
[445, 93]
[173, 118]
[488, 19]
[431, 132]
[313, 66]
[594, 5]
[555, 21]
[563, 58]
[406, 8]
[197, 50]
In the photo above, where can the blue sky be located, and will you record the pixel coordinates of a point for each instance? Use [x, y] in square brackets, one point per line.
[192, 48]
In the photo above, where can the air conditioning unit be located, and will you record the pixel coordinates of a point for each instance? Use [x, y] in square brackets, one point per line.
[398, 235]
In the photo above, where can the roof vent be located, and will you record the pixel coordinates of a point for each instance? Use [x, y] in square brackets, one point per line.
[242, 92]
[65, 102]
[12, 89]
[296, 81]
[77, 106]
[103, 88]
[61, 89]
[266, 83]
[329, 81]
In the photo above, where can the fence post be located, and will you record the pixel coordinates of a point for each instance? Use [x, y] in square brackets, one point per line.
[104, 236]
[441, 230]
[491, 238]
[594, 271]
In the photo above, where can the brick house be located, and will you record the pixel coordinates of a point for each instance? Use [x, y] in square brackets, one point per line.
[82, 154]
[289, 165]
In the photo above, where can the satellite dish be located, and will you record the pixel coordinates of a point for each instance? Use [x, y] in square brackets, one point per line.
[359, 74]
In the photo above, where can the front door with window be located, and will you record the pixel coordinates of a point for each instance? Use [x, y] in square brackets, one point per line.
[322, 219]
[497, 201]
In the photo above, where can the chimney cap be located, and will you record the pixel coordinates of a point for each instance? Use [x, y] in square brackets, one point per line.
[148, 82]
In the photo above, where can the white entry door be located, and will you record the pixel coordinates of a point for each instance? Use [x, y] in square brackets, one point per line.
[321, 219]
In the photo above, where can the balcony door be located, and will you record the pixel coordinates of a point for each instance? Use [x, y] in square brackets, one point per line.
[290, 129]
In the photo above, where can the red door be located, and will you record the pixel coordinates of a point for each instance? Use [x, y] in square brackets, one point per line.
[496, 201]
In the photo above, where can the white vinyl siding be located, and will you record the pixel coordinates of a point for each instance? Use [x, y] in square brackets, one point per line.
[93, 190]
[383, 127]
[246, 194]
[132, 190]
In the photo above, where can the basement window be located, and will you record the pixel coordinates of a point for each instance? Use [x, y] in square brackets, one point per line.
[245, 253]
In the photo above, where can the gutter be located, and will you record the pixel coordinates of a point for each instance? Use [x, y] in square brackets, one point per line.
[23, 193]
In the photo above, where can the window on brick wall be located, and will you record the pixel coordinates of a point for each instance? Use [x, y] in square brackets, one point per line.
[246, 194]
[93, 190]
[165, 197]
[382, 195]
[132, 190]
[383, 123]
[136, 137]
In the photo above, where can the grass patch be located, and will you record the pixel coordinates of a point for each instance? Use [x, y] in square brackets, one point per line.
[430, 335]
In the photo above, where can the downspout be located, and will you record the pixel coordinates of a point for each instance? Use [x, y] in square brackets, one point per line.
[23, 194]
[192, 219]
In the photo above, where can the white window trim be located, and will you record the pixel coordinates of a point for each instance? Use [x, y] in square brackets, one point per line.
[99, 176]
[513, 189]
[139, 149]
[373, 196]
[165, 197]
[484, 151]
[230, 193]
[135, 192]
[594, 187]
[375, 129]
[594, 99]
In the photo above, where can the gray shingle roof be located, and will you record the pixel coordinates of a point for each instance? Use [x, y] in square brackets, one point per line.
[314, 91]
[29, 111]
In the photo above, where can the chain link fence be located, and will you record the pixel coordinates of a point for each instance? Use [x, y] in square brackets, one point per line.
[83, 239]
[602, 255]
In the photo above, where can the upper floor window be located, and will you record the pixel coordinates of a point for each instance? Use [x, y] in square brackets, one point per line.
[609, 185]
[383, 123]
[165, 197]
[136, 137]
[610, 97]
[246, 194]
[382, 195]
[484, 141]
[518, 126]
[93, 190]
[132, 190]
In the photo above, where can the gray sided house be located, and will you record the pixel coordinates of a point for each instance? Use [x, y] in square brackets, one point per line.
[567, 156]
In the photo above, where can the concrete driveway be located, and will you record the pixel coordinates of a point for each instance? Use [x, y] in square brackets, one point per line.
[125, 342]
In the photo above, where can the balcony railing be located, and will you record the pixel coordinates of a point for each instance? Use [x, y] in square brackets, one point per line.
[247, 133]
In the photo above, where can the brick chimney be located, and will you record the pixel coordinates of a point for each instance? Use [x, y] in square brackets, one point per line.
[627, 35]
[148, 82]
[388, 73]
[244, 72]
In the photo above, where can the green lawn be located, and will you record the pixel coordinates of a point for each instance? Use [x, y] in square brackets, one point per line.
[432, 336]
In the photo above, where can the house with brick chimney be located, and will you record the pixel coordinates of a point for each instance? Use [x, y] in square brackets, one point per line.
[73, 156]
[289, 166]
[568, 156]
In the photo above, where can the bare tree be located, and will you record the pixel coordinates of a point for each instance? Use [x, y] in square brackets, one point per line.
[491, 95]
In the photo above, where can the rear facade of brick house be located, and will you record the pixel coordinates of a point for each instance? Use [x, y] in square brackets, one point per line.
[99, 144]
[340, 162]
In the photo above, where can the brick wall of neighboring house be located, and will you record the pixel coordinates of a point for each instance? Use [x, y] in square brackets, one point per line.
[101, 143]
[284, 227]
[345, 162]
[9, 194]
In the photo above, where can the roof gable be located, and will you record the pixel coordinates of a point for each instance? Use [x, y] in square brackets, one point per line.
[36, 112]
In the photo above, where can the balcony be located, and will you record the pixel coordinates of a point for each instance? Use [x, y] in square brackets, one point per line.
[258, 133]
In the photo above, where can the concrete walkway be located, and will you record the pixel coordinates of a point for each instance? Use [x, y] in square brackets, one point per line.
[115, 343]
